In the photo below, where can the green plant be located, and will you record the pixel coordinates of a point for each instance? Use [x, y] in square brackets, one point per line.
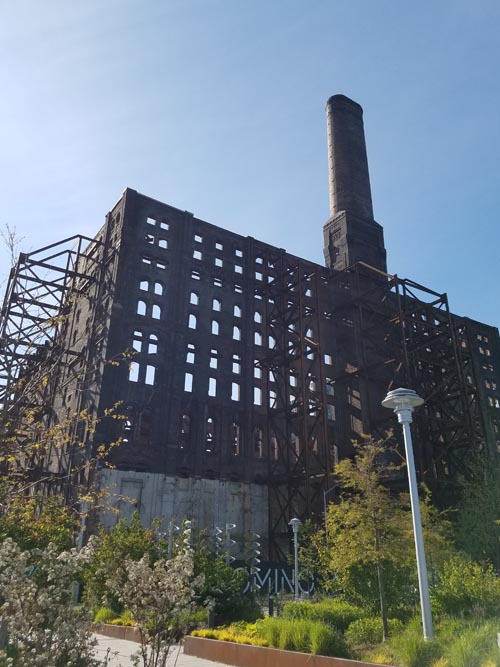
[411, 650]
[368, 631]
[302, 635]
[467, 588]
[473, 647]
[335, 613]
[104, 615]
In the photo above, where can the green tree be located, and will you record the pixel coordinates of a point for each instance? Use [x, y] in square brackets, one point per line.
[369, 544]
[477, 519]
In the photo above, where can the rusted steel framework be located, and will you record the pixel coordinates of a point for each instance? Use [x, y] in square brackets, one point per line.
[405, 335]
[300, 464]
[39, 351]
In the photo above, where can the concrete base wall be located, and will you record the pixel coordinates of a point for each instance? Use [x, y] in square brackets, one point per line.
[207, 502]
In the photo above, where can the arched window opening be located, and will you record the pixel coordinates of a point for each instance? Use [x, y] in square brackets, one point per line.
[192, 321]
[194, 299]
[156, 312]
[236, 333]
[133, 373]
[212, 387]
[153, 344]
[144, 285]
[137, 341]
[188, 382]
[237, 311]
[141, 308]
[150, 375]
[162, 243]
[217, 305]
[190, 353]
[158, 289]
[215, 328]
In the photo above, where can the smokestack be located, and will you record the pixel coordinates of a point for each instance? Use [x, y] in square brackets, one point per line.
[351, 234]
[349, 181]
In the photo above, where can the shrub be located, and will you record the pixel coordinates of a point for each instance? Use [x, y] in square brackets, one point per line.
[302, 635]
[466, 588]
[368, 631]
[104, 615]
[335, 613]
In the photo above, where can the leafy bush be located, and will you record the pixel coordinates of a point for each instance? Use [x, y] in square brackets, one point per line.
[368, 631]
[337, 614]
[467, 588]
[302, 635]
[104, 615]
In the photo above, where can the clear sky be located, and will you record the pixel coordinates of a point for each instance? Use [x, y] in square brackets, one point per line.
[217, 107]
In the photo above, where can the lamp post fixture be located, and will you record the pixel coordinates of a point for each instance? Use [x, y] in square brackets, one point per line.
[403, 402]
[295, 524]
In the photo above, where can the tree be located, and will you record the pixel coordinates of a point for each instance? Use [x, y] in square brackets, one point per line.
[369, 536]
[477, 521]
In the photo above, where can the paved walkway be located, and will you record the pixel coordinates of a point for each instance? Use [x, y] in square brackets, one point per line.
[124, 650]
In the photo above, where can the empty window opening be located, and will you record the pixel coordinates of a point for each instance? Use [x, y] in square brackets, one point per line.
[149, 238]
[214, 354]
[272, 342]
[257, 317]
[272, 377]
[192, 321]
[217, 282]
[188, 382]
[163, 243]
[328, 359]
[257, 370]
[156, 312]
[190, 354]
[158, 290]
[293, 379]
[310, 334]
[236, 364]
[194, 299]
[257, 396]
[164, 225]
[197, 254]
[308, 292]
[215, 328]
[146, 260]
[235, 439]
[257, 338]
[236, 333]
[198, 238]
[153, 344]
[259, 260]
[258, 275]
[133, 372]
[151, 221]
[137, 341]
[150, 375]
[235, 391]
[218, 262]
[274, 448]
[219, 246]
[330, 412]
[141, 308]
[237, 311]
[216, 305]
[161, 265]
[238, 289]
[238, 252]
[272, 399]
[210, 435]
[212, 387]
[144, 285]
[329, 387]
[195, 275]
[238, 268]
[259, 443]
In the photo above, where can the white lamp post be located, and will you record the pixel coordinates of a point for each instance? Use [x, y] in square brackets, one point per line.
[295, 524]
[403, 402]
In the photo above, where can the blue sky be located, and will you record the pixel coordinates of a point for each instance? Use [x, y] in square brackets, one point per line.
[217, 106]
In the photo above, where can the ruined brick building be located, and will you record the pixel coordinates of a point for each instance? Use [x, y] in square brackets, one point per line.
[253, 368]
